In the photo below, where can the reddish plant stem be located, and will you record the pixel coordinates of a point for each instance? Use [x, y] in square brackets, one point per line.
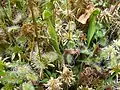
[115, 7]
[34, 23]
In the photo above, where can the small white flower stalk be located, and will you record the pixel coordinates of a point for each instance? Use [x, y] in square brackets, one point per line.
[67, 76]
[53, 84]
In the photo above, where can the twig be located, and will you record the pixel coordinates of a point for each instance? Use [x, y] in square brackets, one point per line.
[34, 23]
[115, 7]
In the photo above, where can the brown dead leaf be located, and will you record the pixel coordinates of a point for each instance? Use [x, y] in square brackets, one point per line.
[84, 17]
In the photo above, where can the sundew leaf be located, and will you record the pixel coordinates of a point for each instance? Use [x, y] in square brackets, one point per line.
[92, 25]
[46, 14]
[51, 30]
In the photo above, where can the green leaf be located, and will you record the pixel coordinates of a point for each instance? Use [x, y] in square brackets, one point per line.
[44, 80]
[18, 4]
[27, 86]
[54, 75]
[2, 73]
[53, 36]
[51, 30]
[48, 72]
[2, 65]
[46, 14]
[92, 26]
[17, 49]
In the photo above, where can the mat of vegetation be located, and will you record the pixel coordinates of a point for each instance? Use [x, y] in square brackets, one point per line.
[59, 44]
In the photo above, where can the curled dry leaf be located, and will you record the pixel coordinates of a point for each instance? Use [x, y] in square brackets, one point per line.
[85, 16]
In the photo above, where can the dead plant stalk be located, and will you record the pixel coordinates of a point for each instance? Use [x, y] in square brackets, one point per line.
[30, 4]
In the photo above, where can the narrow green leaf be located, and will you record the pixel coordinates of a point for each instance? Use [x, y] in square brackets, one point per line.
[92, 26]
[46, 14]
[2, 67]
[54, 75]
[51, 30]
[44, 80]
[48, 72]
[53, 36]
